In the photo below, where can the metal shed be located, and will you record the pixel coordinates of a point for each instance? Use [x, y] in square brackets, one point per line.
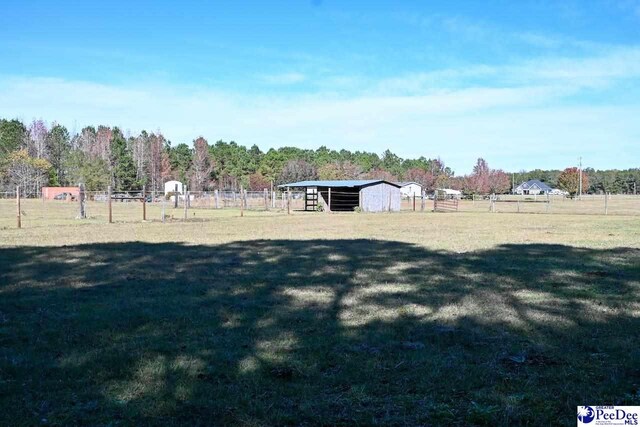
[371, 195]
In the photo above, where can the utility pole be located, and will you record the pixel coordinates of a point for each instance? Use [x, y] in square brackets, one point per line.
[580, 178]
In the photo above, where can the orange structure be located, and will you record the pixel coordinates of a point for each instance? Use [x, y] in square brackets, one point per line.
[49, 193]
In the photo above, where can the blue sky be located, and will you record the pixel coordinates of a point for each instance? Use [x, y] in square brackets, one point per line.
[526, 84]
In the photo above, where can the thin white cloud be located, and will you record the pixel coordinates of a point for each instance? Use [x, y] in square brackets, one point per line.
[569, 73]
[516, 121]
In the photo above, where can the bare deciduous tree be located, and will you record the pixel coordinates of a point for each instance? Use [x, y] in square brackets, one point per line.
[36, 143]
[27, 172]
[201, 166]
[156, 147]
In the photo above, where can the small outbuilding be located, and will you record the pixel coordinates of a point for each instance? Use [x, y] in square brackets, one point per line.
[449, 193]
[60, 193]
[410, 189]
[373, 195]
[170, 187]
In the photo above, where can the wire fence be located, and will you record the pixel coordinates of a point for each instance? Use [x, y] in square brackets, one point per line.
[588, 204]
[135, 206]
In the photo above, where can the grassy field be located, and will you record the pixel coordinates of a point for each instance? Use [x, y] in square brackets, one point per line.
[405, 319]
[36, 213]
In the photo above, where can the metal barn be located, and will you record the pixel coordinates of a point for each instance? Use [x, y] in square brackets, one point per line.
[373, 195]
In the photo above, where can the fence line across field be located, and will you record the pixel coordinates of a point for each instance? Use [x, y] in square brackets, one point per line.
[136, 205]
[140, 205]
[618, 204]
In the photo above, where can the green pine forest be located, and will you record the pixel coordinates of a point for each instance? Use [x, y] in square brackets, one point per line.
[37, 154]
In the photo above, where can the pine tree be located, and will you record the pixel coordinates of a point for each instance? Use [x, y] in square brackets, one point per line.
[123, 169]
[58, 146]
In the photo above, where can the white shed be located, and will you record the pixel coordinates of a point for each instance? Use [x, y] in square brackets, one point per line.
[450, 193]
[410, 189]
[170, 187]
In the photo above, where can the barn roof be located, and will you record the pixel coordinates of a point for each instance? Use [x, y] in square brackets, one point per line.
[338, 183]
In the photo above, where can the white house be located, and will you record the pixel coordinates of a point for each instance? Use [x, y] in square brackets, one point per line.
[532, 187]
[170, 187]
[410, 189]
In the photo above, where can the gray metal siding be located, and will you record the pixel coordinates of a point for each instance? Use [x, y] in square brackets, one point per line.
[380, 198]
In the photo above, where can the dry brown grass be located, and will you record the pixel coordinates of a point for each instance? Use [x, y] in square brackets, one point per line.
[411, 318]
[54, 223]
[37, 213]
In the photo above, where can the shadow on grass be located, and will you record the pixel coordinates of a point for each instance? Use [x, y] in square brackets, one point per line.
[315, 332]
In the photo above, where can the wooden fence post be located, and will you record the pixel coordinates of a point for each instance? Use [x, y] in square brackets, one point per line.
[144, 202]
[288, 201]
[164, 202]
[216, 196]
[19, 212]
[241, 201]
[266, 200]
[422, 201]
[175, 196]
[273, 196]
[414, 201]
[329, 202]
[109, 204]
[81, 196]
[606, 204]
[435, 202]
[186, 205]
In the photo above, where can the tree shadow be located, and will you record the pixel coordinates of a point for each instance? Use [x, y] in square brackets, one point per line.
[271, 332]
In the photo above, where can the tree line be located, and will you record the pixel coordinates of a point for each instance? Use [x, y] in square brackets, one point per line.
[594, 181]
[37, 154]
